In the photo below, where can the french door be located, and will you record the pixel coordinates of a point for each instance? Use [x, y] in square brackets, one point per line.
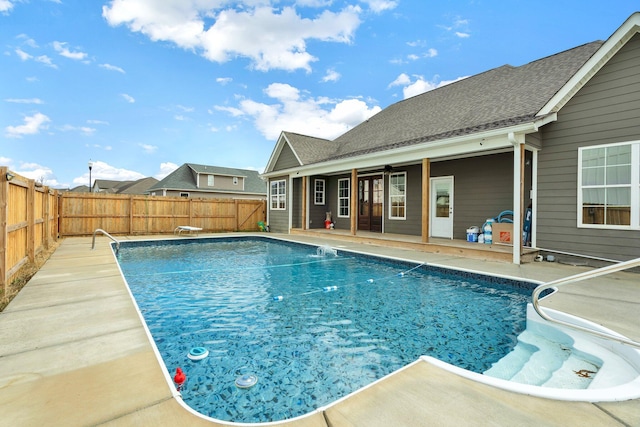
[370, 198]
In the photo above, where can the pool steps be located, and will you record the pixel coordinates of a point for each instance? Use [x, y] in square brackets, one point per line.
[538, 361]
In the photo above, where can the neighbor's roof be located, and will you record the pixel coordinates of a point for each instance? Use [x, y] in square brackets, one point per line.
[184, 178]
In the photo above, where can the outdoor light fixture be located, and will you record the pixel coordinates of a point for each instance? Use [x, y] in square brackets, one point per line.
[9, 176]
[90, 167]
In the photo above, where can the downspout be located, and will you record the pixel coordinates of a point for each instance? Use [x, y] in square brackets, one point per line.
[518, 184]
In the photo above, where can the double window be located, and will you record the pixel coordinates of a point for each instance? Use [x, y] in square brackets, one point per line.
[278, 195]
[609, 186]
[343, 197]
[398, 195]
[318, 192]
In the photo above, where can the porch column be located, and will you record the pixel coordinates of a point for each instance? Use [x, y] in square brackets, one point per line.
[354, 200]
[426, 199]
[518, 194]
[304, 203]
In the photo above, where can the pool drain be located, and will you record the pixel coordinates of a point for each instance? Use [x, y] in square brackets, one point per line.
[246, 381]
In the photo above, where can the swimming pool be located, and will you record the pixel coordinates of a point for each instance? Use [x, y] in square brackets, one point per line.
[341, 322]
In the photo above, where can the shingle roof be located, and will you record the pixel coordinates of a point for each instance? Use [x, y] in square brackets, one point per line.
[502, 97]
[184, 178]
[310, 149]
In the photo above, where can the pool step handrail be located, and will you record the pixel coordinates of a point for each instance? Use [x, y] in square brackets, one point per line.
[100, 230]
[577, 278]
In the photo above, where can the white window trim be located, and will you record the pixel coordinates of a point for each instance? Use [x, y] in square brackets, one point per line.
[635, 188]
[316, 192]
[280, 183]
[348, 197]
[210, 181]
[390, 208]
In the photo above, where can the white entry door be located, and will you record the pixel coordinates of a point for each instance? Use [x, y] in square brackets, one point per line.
[441, 215]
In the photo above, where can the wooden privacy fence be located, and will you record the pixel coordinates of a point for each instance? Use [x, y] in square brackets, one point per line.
[82, 213]
[28, 223]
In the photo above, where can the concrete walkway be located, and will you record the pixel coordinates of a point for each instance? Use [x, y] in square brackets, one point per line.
[74, 352]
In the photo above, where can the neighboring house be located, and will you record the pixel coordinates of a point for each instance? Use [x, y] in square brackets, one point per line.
[560, 134]
[139, 186]
[211, 182]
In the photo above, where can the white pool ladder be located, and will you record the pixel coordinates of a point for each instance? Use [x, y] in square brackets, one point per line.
[579, 277]
[100, 230]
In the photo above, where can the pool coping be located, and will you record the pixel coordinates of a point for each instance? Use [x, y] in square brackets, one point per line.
[73, 332]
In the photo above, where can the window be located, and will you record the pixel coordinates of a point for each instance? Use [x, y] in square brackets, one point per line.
[210, 180]
[235, 180]
[609, 186]
[398, 195]
[185, 195]
[343, 197]
[278, 195]
[318, 192]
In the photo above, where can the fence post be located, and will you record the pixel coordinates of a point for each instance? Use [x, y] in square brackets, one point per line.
[4, 196]
[237, 214]
[46, 227]
[31, 220]
[131, 214]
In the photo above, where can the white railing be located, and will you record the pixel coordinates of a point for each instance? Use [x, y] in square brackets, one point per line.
[100, 230]
[579, 277]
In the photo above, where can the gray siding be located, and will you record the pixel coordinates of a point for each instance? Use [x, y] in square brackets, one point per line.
[296, 214]
[286, 159]
[279, 219]
[317, 213]
[606, 110]
[482, 188]
[340, 223]
[412, 225]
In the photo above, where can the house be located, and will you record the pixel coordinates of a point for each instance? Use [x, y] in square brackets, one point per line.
[211, 182]
[560, 134]
[139, 186]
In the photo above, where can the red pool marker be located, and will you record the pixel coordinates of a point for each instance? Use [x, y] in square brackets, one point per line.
[179, 378]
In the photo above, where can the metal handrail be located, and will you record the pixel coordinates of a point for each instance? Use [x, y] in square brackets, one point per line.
[576, 278]
[93, 242]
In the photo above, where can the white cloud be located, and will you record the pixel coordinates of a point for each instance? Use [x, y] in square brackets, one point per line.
[185, 109]
[128, 98]
[25, 101]
[5, 6]
[419, 85]
[63, 50]
[165, 169]
[379, 6]
[402, 79]
[320, 117]
[149, 149]
[37, 172]
[5, 161]
[462, 35]
[97, 122]
[112, 68]
[44, 59]
[283, 32]
[102, 170]
[22, 54]
[32, 125]
[85, 130]
[26, 40]
[331, 76]
[224, 80]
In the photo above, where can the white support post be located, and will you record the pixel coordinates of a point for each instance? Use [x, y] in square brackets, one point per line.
[518, 149]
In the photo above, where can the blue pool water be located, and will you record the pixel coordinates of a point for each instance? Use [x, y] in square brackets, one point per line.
[313, 346]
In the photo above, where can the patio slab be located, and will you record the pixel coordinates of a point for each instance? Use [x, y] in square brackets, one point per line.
[74, 352]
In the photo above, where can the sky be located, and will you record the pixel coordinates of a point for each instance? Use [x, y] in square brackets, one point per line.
[140, 87]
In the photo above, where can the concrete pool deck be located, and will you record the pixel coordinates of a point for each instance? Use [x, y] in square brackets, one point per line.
[74, 352]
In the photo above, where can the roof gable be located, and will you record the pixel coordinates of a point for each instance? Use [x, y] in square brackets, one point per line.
[618, 39]
[184, 178]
